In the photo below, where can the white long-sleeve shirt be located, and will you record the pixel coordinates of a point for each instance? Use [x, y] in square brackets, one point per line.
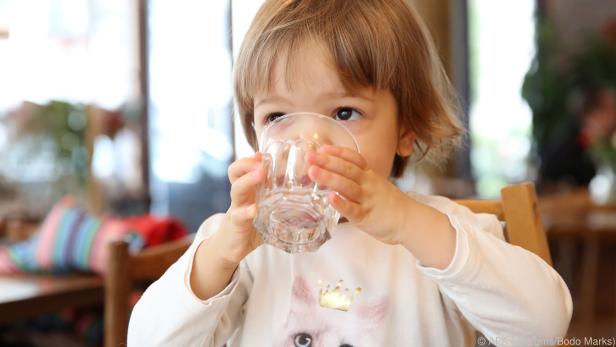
[274, 299]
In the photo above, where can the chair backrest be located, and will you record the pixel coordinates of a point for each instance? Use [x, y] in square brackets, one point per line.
[519, 210]
[124, 271]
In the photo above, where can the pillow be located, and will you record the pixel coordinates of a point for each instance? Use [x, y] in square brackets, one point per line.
[69, 239]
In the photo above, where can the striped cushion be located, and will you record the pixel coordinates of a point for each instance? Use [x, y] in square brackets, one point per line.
[69, 239]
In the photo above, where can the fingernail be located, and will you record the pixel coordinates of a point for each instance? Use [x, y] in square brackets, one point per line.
[258, 156]
[256, 173]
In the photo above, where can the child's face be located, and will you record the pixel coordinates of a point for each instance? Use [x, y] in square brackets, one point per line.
[369, 114]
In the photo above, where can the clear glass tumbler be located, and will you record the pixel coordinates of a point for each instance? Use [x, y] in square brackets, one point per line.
[294, 213]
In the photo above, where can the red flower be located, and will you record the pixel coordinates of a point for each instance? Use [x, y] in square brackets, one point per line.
[609, 31]
[584, 139]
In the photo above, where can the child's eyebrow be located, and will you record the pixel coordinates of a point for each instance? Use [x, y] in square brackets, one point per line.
[270, 99]
[347, 94]
[328, 95]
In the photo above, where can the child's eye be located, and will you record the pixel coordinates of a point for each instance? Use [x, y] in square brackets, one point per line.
[347, 113]
[272, 116]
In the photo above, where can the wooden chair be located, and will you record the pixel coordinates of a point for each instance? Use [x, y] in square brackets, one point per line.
[575, 221]
[125, 271]
[519, 209]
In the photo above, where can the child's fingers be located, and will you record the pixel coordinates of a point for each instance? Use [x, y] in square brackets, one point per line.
[346, 154]
[244, 188]
[348, 209]
[242, 216]
[336, 164]
[333, 181]
[242, 166]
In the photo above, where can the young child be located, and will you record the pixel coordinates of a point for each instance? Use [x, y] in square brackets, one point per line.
[420, 270]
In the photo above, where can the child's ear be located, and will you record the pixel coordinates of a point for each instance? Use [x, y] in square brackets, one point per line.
[406, 139]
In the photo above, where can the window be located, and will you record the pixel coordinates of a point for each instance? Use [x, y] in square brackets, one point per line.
[502, 48]
[190, 107]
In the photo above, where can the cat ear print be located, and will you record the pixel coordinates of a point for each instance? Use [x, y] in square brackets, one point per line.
[373, 312]
[303, 292]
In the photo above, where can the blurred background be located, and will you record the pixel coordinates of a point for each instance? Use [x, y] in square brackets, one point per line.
[126, 107]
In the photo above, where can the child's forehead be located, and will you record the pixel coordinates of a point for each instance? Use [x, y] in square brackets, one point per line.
[309, 69]
[305, 65]
[305, 87]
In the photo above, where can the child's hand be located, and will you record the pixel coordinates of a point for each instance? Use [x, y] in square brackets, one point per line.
[369, 201]
[217, 259]
[239, 236]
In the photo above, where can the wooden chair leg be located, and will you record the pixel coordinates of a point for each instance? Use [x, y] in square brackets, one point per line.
[588, 287]
[117, 289]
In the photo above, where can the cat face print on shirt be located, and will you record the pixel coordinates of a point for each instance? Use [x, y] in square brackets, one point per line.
[310, 325]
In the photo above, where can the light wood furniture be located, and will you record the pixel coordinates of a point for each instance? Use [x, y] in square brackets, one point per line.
[124, 272]
[573, 219]
[25, 296]
[519, 209]
[30, 295]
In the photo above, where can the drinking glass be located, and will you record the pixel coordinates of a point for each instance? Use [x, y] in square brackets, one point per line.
[294, 213]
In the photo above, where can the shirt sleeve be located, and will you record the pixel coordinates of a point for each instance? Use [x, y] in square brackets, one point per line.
[508, 293]
[170, 314]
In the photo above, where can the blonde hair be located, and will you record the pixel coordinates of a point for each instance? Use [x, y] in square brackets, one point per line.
[373, 43]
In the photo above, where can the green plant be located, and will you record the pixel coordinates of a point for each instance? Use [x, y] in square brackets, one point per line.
[604, 151]
[64, 124]
[555, 87]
